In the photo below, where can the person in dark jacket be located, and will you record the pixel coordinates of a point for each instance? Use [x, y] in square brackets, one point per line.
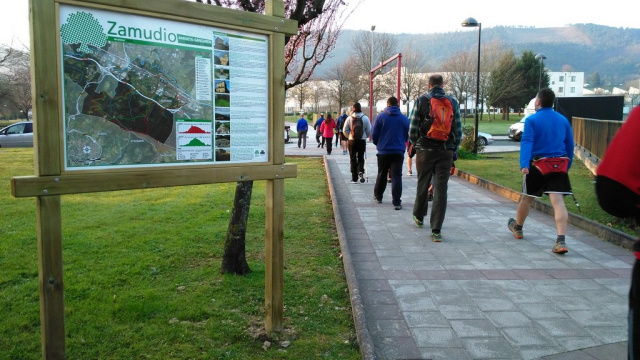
[618, 192]
[390, 133]
[343, 140]
[433, 157]
[316, 127]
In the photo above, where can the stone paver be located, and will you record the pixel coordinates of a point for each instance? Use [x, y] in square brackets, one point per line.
[481, 293]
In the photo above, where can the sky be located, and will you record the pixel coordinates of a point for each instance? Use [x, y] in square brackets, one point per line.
[413, 16]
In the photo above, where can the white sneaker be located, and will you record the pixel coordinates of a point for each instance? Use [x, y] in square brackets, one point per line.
[409, 173]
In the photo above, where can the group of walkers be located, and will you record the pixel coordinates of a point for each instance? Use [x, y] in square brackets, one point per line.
[433, 133]
[326, 130]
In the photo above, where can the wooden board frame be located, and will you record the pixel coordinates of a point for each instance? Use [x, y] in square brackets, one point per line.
[49, 182]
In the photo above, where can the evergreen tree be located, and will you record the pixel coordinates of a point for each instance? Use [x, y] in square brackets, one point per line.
[506, 85]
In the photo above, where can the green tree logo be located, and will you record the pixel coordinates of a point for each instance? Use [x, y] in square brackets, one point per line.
[82, 28]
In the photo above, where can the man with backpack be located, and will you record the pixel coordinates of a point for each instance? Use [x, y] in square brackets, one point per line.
[390, 134]
[357, 129]
[436, 132]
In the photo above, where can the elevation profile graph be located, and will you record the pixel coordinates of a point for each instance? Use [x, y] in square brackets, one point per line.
[194, 141]
[196, 130]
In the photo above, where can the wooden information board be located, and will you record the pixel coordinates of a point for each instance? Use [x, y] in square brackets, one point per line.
[138, 94]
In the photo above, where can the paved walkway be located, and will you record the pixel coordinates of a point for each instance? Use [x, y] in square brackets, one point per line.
[479, 294]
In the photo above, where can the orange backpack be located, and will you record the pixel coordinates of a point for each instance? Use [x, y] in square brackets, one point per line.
[441, 116]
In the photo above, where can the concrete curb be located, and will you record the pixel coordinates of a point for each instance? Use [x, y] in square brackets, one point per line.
[604, 232]
[359, 318]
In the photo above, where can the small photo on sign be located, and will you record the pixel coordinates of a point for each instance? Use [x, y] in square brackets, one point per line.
[223, 154]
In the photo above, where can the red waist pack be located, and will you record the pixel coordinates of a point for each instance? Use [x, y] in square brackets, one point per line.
[551, 165]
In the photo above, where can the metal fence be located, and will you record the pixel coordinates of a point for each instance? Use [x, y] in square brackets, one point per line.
[594, 135]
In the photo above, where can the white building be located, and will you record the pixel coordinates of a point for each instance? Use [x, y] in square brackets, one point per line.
[566, 83]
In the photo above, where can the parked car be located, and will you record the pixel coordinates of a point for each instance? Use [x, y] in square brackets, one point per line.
[484, 138]
[515, 130]
[17, 135]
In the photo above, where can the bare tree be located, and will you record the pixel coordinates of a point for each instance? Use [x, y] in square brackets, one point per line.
[357, 85]
[302, 93]
[337, 84]
[15, 81]
[7, 57]
[460, 78]
[492, 52]
[414, 79]
[371, 49]
[319, 24]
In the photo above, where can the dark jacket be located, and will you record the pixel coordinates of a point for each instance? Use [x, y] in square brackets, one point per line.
[420, 123]
[390, 131]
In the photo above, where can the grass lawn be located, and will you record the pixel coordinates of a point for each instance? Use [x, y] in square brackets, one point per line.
[493, 125]
[503, 169]
[142, 274]
[4, 123]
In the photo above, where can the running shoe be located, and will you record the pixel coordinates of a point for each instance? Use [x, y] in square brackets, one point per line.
[436, 237]
[511, 224]
[560, 248]
[419, 223]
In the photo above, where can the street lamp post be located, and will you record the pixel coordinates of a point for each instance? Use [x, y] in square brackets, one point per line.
[373, 27]
[471, 22]
[540, 57]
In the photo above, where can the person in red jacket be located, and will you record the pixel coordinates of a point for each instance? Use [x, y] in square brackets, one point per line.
[618, 192]
[326, 129]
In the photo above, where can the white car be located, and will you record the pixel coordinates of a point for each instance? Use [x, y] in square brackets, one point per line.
[515, 130]
[17, 135]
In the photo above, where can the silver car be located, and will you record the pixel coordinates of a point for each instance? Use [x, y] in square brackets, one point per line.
[17, 135]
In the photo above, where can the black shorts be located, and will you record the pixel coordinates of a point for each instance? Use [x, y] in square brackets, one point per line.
[617, 199]
[535, 184]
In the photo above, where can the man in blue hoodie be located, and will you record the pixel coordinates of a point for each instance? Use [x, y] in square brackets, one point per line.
[390, 133]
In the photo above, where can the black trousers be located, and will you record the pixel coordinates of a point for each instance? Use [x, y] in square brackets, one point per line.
[356, 157]
[389, 163]
[620, 201]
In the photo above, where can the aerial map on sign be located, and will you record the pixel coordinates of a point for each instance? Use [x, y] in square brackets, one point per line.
[141, 91]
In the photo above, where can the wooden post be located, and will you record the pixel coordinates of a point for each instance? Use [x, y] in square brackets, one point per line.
[274, 212]
[49, 231]
[47, 162]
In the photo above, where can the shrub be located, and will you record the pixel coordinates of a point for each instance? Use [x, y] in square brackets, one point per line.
[467, 141]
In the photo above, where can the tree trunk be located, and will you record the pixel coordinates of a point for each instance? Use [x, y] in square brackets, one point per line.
[234, 260]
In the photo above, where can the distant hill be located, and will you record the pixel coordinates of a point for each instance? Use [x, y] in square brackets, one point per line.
[612, 52]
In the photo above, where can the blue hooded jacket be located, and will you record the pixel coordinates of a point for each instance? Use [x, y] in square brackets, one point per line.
[390, 131]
